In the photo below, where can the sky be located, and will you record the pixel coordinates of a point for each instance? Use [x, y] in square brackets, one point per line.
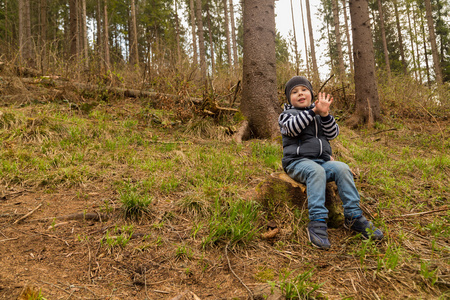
[283, 23]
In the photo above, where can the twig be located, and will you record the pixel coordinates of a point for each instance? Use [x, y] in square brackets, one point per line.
[145, 282]
[229, 266]
[8, 239]
[418, 214]
[28, 214]
[325, 83]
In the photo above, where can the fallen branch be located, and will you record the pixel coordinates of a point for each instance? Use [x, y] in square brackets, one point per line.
[418, 214]
[240, 280]
[27, 215]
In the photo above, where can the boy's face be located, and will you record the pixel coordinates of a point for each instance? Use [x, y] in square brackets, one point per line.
[300, 97]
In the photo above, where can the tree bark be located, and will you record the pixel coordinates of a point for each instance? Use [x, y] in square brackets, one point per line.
[227, 31]
[177, 32]
[73, 29]
[367, 109]
[295, 41]
[337, 32]
[424, 38]
[259, 93]
[105, 39]
[84, 38]
[308, 70]
[233, 34]
[201, 40]
[211, 44]
[134, 54]
[383, 38]
[347, 34]
[194, 34]
[400, 37]
[412, 40]
[419, 68]
[22, 34]
[432, 39]
[316, 78]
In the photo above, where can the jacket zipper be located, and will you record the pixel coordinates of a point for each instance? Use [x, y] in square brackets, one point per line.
[317, 137]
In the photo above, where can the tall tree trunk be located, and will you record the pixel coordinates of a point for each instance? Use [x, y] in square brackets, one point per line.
[21, 30]
[134, 54]
[194, 34]
[259, 71]
[337, 32]
[43, 34]
[419, 68]
[233, 34]
[99, 43]
[412, 40]
[347, 34]
[105, 38]
[308, 70]
[400, 37]
[432, 36]
[29, 45]
[367, 110]
[295, 42]
[383, 38]
[73, 36]
[211, 44]
[227, 31]
[424, 38]
[201, 40]
[177, 32]
[84, 37]
[316, 78]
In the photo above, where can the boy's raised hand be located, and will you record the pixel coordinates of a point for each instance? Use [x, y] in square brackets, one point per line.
[323, 103]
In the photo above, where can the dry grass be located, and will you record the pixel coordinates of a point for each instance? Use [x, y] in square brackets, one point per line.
[84, 160]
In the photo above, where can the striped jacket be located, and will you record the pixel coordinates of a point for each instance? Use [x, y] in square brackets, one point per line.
[305, 134]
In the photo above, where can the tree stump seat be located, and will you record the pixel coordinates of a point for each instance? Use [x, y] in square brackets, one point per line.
[279, 188]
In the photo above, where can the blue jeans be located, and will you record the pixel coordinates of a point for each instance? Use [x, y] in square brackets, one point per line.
[315, 173]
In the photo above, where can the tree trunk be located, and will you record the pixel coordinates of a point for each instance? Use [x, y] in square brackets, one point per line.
[28, 40]
[177, 32]
[73, 29]
[43, 34]
[134, 54]
[194, 34]
[419, 68]
[21, 30]
[84, 38]
[201, 40]
[337, 32]
[295, 42]
[383, 38]
[227, 31]
[306, 43]
[211, 44]
[424, 38]
[367, 110]
[400, 37]
[233, 34]
[259, 94]
[105, 39]
[99, 29]
[412, 40]
[316, 78]
[347, 34]
[432, 36]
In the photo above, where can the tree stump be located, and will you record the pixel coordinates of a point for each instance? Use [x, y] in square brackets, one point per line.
[279, 189]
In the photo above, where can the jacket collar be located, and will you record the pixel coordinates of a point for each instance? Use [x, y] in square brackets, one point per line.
[288, 106]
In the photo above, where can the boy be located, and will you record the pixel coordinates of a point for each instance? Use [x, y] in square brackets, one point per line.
[306, 128]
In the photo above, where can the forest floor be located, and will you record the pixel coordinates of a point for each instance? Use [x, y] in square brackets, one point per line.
[74, 168]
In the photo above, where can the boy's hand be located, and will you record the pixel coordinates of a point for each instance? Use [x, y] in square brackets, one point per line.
[323, 104]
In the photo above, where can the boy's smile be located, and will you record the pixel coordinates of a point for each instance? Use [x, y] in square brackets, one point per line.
[300, 97]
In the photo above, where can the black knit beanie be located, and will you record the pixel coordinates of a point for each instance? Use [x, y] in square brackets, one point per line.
[296, 81]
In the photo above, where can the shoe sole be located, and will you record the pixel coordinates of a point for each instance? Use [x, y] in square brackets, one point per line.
[314, 245]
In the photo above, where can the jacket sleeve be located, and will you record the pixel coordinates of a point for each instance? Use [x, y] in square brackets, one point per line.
[330, 127]
[292, 125]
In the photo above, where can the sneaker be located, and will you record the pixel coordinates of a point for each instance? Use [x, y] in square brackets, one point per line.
[317, 234]
[363, 226]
